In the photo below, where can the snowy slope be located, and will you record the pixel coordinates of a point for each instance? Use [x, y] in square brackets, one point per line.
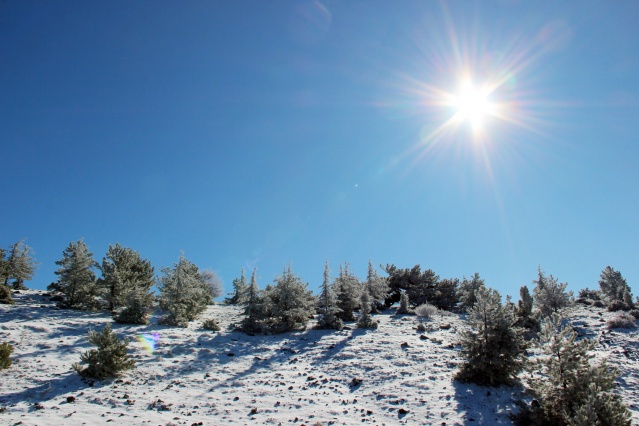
[392, 375]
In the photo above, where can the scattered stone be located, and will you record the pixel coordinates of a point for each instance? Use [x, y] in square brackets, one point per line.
[356, 382]
[70, 399]
[38, 406]
[445, 326]
[405, 345]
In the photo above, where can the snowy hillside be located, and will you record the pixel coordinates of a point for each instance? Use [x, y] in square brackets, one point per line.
[392, 375]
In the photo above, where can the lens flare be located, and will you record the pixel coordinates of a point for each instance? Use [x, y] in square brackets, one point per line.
[149, 341]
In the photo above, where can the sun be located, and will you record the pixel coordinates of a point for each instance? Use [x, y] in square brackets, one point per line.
[472, 104]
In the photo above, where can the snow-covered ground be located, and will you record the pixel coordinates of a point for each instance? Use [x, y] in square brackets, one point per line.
[392, 375]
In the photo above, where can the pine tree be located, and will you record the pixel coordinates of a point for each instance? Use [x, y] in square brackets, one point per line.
[327, 306]
[550, 295]
[4, 267]
[137, 306]
[615, 289]
[365, 320]
[492, 346]
[110, 359]
[468, 290]
[445, 295]
[253, 310]
[569, 388]
[377, 288]
[289, 302]
[239, 295]
[20, 265]
[76, 278]
[526, 319]
[182, 293]
[347, 289]
[124, 272]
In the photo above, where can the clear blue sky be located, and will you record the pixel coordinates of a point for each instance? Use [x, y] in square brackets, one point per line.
[254, 134]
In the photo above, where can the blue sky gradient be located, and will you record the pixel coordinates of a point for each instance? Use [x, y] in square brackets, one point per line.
[254, 134]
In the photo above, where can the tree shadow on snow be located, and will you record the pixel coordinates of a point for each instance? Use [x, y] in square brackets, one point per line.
[47, 390]
[482, 405]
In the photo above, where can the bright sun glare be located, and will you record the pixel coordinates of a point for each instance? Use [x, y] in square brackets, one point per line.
[472, 104]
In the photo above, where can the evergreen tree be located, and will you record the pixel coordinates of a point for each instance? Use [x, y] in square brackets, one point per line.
[108, 360]
[4, 267]
[20, 265]
[445, 295]
[327, 305]
[76, 278]
[526, 319]
[365, 320]
[239, 295]
[571, 390]
[253, 310]
[289, 302]
[615, 289]
[550, 295]
[468, 290]
[124, 272]
[137, 306]
[347, 289]
[492, 346]
[182, 293]
[377, 288]
[421, 287]
[213, 282]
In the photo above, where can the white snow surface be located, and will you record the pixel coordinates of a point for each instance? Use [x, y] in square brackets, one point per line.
[309, 377]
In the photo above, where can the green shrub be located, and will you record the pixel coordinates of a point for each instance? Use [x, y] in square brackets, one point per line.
[5, 295]
[211, 324]
[5, 351]
[108, 360]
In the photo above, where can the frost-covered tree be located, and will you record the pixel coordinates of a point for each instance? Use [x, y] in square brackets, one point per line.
[20, 265]
[239, 295]
[348, 289]
[467, 291]
[110, 359]
[253, 309]
[213, 282]
[526, 318]
[327, 304]
[615, 289]
[76, 278]
[569, 388]
[182, 293]
[365, 319]
[289, 302]
[550, 295]
[124, 272]
[377, 288]
[492, 347]
[404, 304]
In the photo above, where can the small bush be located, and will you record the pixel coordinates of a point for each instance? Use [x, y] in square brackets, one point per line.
[635, 313]
[622, 320]
[421, 327]
[109, 360]
[404, 308]
[582, 301]
[5, 351]
[426, 310]
[5, 295]
[618, 305]
[598, 304]
[211, 324]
